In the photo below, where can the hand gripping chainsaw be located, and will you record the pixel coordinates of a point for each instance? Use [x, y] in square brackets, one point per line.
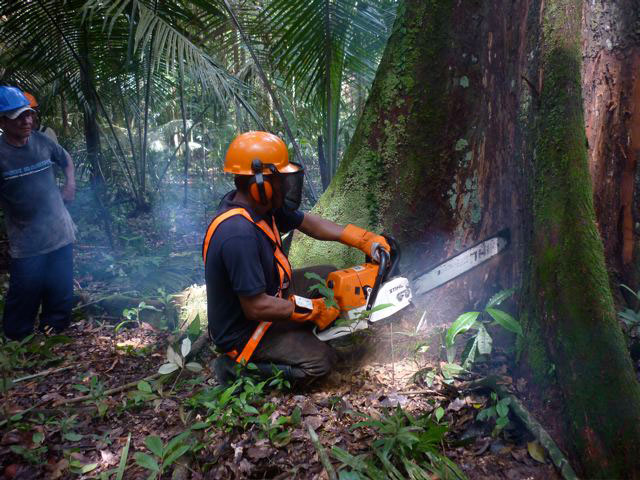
[372, 292]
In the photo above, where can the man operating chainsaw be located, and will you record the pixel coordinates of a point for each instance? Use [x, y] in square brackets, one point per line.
[256, 306]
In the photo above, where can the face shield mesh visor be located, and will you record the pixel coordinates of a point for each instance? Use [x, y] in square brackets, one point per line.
[292, 188]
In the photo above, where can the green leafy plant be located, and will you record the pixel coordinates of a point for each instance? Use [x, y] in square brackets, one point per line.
[10, 355]
[426, 375]
[631, 317]
[34, 455]
[27, 353]
[450, 371]
[481, 342]
[321, 288]
[79, 468]
[195, 328]
[132, 315]
[67, 427]
[498, 411]
[142, 394]
[177, 361]
[163, 456]
[243, 404]
[95, 391]
[418, 351]
[132, 351]
[123, 459]
[277, 430]
[406, 447]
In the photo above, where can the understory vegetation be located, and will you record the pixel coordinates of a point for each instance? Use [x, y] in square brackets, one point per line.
[131, 394]
[146, 96]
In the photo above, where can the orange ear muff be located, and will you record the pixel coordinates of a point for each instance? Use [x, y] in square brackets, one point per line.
[261, 192]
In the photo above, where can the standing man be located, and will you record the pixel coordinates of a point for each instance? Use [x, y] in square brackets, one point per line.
[252, 310]
[39, 227]
[37, 126]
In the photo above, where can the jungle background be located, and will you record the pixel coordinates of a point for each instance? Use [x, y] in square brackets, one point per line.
[439, 122]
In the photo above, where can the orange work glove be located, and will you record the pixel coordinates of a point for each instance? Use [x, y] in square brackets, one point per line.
[313, 310]
[368, 242]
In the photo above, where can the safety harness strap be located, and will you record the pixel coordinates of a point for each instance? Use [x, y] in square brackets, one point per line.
[216, 222]
[282, 264]
[252, 344]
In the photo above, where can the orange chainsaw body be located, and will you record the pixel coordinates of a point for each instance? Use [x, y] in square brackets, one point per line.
[351, 285]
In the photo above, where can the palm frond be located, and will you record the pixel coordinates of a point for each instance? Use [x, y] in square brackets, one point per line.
[310, 36]
[170, 47]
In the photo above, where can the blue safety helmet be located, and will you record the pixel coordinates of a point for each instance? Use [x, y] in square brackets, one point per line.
[12, 98]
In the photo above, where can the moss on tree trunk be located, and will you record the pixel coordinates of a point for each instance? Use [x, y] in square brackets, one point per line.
[569, 290]
[396, 142]
[475, 125]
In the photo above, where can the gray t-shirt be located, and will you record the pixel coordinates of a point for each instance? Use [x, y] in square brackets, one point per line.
[37, 220]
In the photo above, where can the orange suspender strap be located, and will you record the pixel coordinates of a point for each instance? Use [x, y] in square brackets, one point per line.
[272, 233]
[282, 262]
[251, 345]
[216, 222]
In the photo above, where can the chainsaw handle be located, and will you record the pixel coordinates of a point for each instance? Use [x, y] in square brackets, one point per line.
[394, 257]
[385, 259]
[392, 269]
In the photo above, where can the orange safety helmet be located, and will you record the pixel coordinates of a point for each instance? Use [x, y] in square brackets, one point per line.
[267, 148]
[33, 103]
[263, 153]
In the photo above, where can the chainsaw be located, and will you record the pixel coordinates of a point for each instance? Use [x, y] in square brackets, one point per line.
[371, 292]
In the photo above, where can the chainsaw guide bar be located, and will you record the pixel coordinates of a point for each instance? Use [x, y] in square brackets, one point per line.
[461, 263]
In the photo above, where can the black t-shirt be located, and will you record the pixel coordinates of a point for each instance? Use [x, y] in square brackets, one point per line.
[240, 261]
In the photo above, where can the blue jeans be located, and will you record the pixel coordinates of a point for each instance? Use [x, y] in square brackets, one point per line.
[42, 279]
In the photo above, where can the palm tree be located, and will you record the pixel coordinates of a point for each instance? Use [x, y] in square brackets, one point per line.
[322, 45]
[117, 59]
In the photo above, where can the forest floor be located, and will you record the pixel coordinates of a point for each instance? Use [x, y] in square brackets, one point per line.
[59, 439]
[63, 419]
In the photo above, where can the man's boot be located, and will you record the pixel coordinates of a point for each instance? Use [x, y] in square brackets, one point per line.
[225, 370]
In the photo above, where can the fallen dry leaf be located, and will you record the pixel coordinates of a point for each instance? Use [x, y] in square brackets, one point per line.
[314, 421]
[11, 438]
[456, 405]
[536, 451]
[308, 408]
[108, 457]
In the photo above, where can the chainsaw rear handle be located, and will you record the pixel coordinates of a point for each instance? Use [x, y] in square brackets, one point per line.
[394, 260]
[385, 264]
[392, 270]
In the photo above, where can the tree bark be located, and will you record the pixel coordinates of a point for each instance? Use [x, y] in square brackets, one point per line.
[64, 114]
[572, 307]
[92, 132]
[323, 165]
[187, 151]
[611, 87]
[475, 124]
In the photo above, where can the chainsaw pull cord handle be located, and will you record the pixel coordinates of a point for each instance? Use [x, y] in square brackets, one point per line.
[382, 271]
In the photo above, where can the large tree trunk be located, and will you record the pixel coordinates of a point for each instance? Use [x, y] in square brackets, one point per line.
[90, 109]
[92, 132]
[436, 158]
[475, 124]
[572, 307]
[611, 86]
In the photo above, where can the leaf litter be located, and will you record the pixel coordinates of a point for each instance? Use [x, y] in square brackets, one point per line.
[366, 387]
[77, 437]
